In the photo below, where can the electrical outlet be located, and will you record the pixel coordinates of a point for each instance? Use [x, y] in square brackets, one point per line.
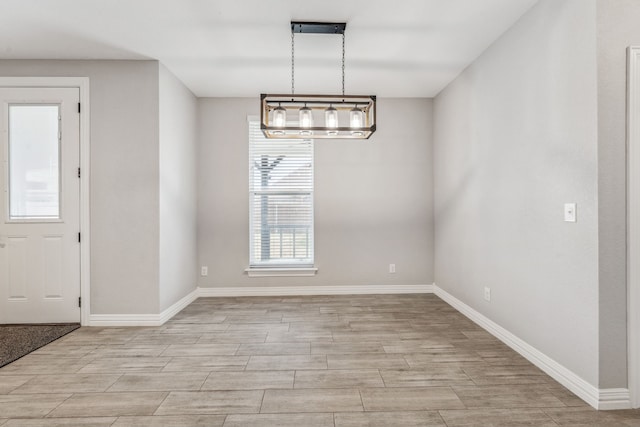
[204, 270]
[392, 268]
[487, 294]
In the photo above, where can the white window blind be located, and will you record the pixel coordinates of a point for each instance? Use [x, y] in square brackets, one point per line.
[280, 200]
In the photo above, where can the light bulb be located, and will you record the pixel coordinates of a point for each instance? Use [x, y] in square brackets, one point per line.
[279, 117]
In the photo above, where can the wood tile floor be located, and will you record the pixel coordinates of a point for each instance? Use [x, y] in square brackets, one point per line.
[375, 360]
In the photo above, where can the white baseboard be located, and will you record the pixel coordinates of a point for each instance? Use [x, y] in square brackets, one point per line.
[614, 398]
[313, 290]
[160, 319]
[143, 319]
[597, 398]
[124, 320]
[178, 306]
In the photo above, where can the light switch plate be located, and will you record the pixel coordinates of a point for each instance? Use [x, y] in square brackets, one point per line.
[570, 212]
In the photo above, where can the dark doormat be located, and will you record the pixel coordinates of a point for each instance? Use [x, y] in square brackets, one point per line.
[19, 340]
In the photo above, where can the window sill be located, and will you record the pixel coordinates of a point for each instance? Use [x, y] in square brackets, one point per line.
[281, 271]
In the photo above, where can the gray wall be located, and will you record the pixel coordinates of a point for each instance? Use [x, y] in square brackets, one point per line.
[178, 198]
[373, 199]
[124, 178]
[515, 139]
[618, 27]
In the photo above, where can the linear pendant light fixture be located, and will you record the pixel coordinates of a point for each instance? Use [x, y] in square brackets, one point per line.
[317, 116]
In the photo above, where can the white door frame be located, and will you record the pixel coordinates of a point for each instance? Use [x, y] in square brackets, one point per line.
[82, 83]
[633, 222]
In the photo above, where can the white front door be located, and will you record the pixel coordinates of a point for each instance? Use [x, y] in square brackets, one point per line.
[40, 205]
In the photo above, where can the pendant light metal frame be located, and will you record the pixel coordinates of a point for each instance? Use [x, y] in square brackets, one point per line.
[292, 103]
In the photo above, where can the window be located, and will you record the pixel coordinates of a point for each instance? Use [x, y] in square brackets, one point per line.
[280, 200]
[34, 160]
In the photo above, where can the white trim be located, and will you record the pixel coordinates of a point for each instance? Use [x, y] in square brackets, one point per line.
[599, 399]
[124, 320]
[178, 306]
[237, 291]
[633, 223]
[82, 83]
[281, 272]
[144, 319]
[614, 398]
[162, 318]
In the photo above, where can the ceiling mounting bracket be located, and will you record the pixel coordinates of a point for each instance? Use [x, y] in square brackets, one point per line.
[318, 27]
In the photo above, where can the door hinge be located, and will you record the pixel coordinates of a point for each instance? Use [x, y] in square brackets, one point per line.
[79, 301]
[78, 237]
[78, 108]
[78, 172]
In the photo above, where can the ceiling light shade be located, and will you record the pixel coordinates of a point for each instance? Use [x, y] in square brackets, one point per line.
[306, 117]
[316, 106]
[318, 115]
[279, 117]
[331, 120]
[331, 117]
[356, 121]
[356, 118]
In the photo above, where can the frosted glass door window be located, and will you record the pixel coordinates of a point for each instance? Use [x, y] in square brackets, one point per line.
[34, 161]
